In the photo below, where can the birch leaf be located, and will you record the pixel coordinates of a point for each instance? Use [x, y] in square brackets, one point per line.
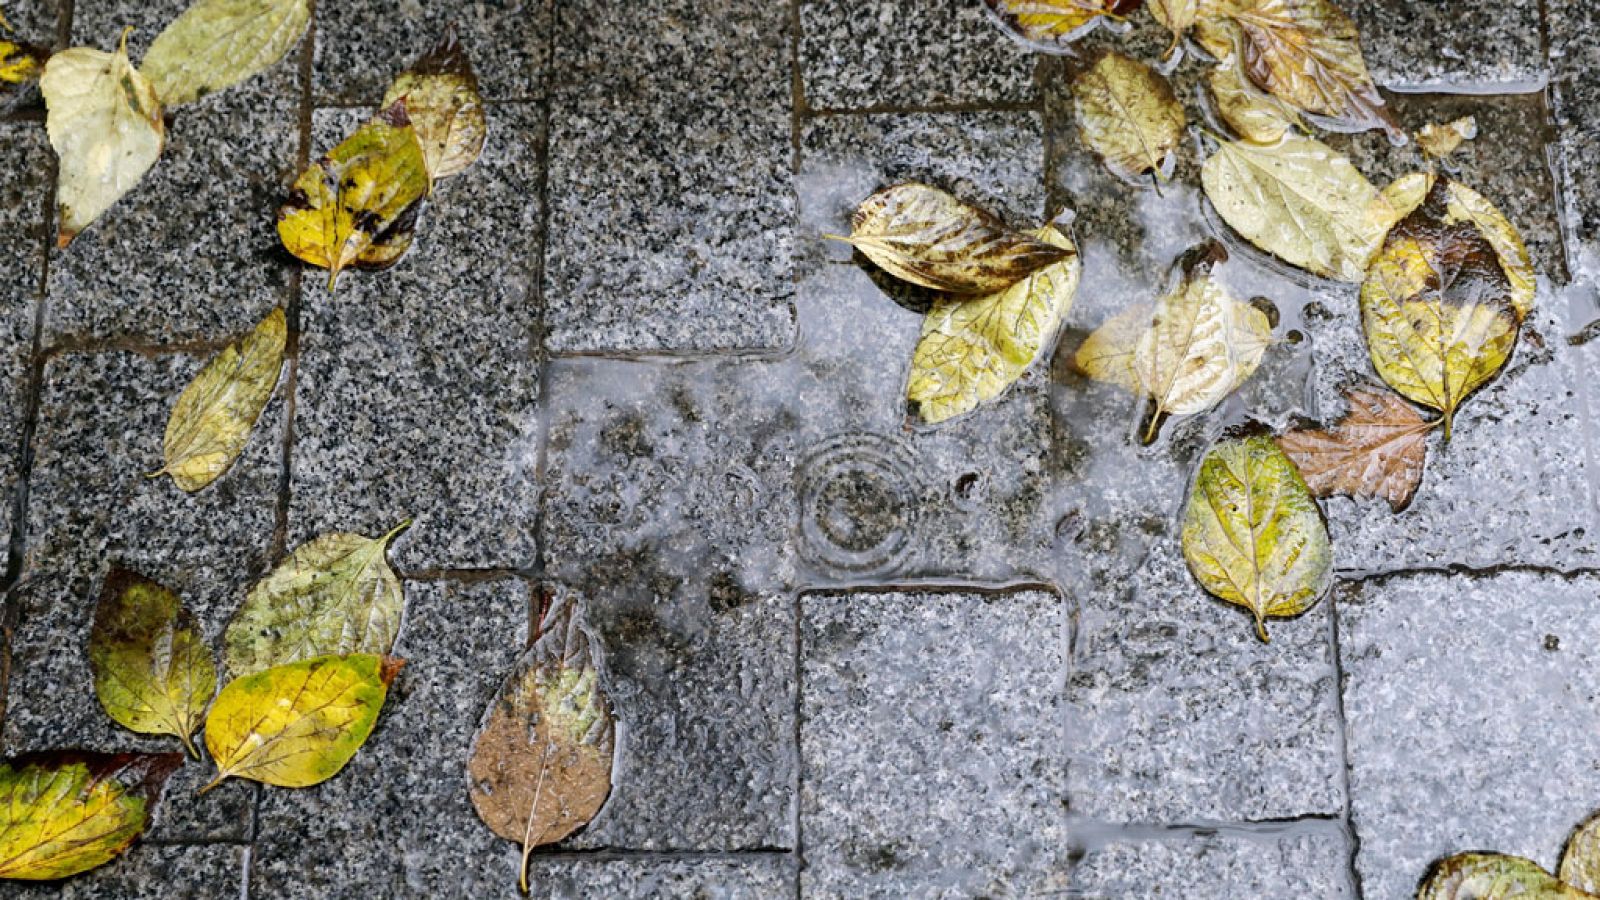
[364, 191]
[1128, 116]
[334, 595]
[930, 238]
[212, 420]
[541, 763]
[972, 349]
[1253, 535]
[1177, 16]
[1580, 859]
[1300, 201]
[1253, 115]
[104, 122]
[1108, 353]
[298, 724]
[1492, 876]
[153, 671]
[1439, 141]
[66, 812]
[1308, 53]
[1053, 25]
[217, 44]
[1377, 450]
[1467, 205]
[1437, 309]
[440, 91]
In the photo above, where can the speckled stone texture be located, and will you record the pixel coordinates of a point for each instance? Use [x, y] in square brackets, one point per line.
[397, 821]
[1269, 861]
[671, 205]
[1470, 710]
[930, 730]
[152, 872]
[750, 876]
[1574, 57]
[1467, 46]
[417, 386]
[24, 184]
[857, 55]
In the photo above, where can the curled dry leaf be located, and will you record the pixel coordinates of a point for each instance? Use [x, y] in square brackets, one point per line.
[1493, 876]
[931, 238]
[334, 595]
[1438, 309]
[358, 205]
[1377, 450]
[440, 92]
[1439, 141]
[1052, 25]
[105, 124]
[973, 348]
[217, 44]
[297, 725]
[541, 763]
[1128, 115]
[1253, 535]
[1580, 860]
[66, 812]
[153, 671]
[1177, 16]
[1256, 116]
[212, 420]
[1301, 201]
[1467, 205]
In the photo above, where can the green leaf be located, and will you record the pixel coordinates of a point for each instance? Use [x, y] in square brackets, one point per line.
[216, 44]
[1580, 860]
[1253, 535]
[66, 812]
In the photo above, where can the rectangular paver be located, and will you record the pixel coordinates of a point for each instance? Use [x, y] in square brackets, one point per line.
[153, 872]
[1460, 46]
[1574, 55]
[1309, 860]
[746, 877]
[24, 188]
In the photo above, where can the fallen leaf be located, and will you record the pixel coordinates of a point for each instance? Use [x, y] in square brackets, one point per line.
[441, 96]
[361, 194]
[20, 64]
[298, 724]
[1300, 201]
[334, 595]
[105, 124]
[212, 420]
[1437, 308]
[541, 764]
[1256, 116]
[1308, 53]
[65, 812]
[1107, 354]
[153, 671]
[1052, 25]
[930, 238]
[217, 44]
[1128, 115]
[1439, 141]
[1467, 205]
[1580, 859]
[1253, 535]
[1493, 876]
[973, 348]
[1377, 450]
[1177, 16]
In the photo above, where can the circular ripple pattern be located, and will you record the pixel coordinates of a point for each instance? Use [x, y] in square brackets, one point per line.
[858, 504]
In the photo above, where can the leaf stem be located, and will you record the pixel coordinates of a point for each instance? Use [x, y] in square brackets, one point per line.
[221, 777]
[188, 744]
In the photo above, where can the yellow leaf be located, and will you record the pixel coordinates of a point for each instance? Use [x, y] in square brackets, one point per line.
[441, 96]
[1252, 534]
[1052, 25]
[1107, 354]
[363, 192]
[1439, 141]
[298, 724]
[211, 422]
[1300, 201]
[19, 64]
[928, 237]
[1128, 115]
[1493, 876]
[1437, 308]
[1467, 205]
[62, 813]
[973, 348]
[153, 671]
[1177, 16]
[216, 44]
[105, 124]
[1255, 116]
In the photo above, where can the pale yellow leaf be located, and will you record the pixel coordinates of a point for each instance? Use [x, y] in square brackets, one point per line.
[1128, 115]
[216, 44]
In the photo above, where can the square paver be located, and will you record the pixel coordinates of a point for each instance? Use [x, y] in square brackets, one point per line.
[1301, 860]
[418, 386]
[930, 738]
[24, 189]
[1471, 708]
[397, 821]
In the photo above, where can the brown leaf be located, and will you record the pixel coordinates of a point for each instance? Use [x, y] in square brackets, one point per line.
[1376, 450]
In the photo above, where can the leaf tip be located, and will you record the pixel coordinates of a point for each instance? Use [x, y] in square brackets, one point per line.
[390, 668]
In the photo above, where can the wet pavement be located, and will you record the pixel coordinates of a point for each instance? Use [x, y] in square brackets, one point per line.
[849, 657]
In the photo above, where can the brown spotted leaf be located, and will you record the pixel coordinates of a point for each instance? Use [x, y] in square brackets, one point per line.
[931, 238]
[1376, 450]
[1128, 116]
[441, 95]
[1053, 25]
[63, 812]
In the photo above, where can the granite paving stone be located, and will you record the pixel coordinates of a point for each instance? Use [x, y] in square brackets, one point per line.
[153, 872]
[856, 55]
[1467, 47]
[746, 877]
[929, 736]
[417, 386]
[1470, 705]
[24, 187]
[397, 821]
[1574, 55]
[694, 255]
[100, 425]
[1297, 861]
[35, 22]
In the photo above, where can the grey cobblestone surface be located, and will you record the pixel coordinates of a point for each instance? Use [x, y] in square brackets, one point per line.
[850, 656]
